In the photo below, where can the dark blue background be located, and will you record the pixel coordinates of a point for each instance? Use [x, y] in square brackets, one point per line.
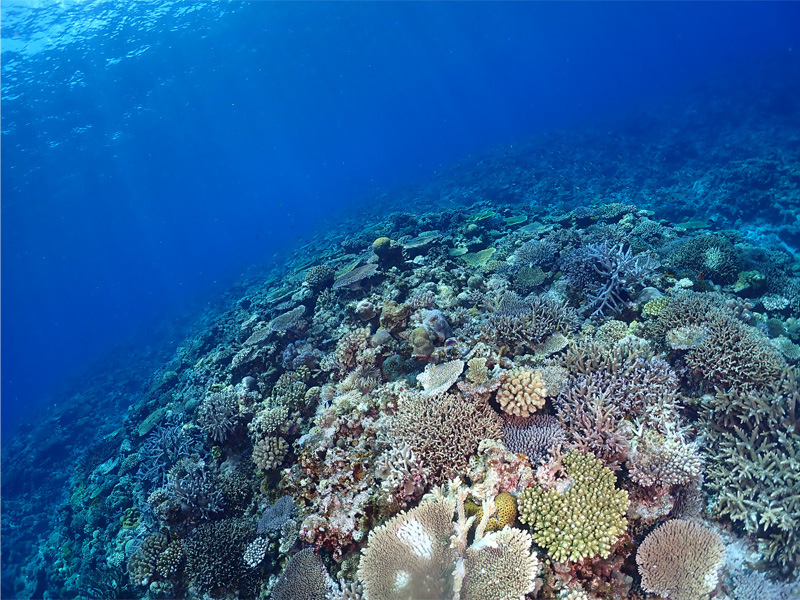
[152, 152]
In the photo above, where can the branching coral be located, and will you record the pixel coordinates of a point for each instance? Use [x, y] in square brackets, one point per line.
[583, 521]
[681, 559]
[445, 430]
[215, 557]
[733, 354]
[755, 468]
[522, 324]
[304, 578]
[218, 415]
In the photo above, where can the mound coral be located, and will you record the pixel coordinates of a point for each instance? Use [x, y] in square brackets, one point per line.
[522, 393]
[583, 521]
[681, 560]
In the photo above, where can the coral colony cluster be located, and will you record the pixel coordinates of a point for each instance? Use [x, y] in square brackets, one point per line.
[494, 402]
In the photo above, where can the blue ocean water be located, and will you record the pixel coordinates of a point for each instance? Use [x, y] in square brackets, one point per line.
[153, 151]
[157, 154]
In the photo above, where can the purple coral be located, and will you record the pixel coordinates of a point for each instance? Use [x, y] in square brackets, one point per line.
[609, 274]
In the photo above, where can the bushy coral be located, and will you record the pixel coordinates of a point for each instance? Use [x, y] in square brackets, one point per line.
[523, 324]
[755, 467]
[445, 430]
[304, 578]
[215, 557]
[663, 460]
[534, 437]
[681, 559]
[583, 521]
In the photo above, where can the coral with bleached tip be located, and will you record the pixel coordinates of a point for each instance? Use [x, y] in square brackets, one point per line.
[437, 379]
[403, 475]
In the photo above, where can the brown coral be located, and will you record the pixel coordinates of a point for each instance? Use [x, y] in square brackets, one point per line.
[681, 560]
[445, 430]
[523, 392]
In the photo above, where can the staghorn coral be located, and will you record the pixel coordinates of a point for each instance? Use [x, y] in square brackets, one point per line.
[437, 379]
[608, 275]
[522, 393]
[445, 430]
[612, 386]
[195, 488]
[681, 559]
[583, 521]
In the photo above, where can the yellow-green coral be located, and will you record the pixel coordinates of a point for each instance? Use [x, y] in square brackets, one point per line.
[130, 518]
[655, 306]
[583, 521]
[506, 511]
